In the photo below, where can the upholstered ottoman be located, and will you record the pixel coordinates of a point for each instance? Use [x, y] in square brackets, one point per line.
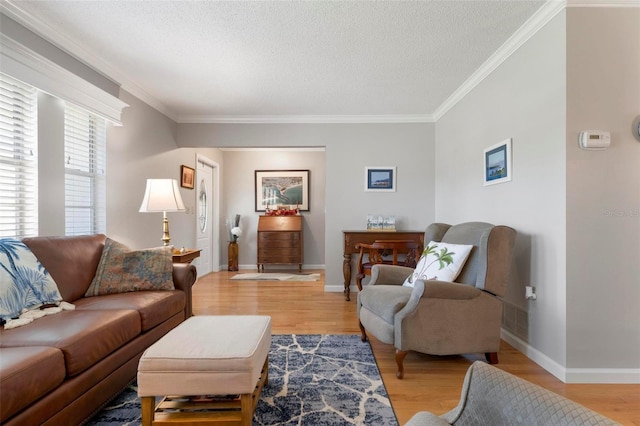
[208, 369]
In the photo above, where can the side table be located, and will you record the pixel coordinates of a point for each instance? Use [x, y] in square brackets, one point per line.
[186, 256]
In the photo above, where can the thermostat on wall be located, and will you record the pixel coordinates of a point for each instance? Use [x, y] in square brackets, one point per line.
[594, 139]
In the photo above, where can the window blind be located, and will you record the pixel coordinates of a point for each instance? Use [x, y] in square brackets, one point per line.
[85, 172]
[18, 159]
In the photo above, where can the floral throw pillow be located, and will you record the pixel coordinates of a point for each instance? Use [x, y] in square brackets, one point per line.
[24, 283]
[440, 261]
[121, 270]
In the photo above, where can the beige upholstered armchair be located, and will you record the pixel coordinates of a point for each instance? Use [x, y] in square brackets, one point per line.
[441, 317]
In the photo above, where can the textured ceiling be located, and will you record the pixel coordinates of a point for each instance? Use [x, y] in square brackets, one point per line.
[198, 60]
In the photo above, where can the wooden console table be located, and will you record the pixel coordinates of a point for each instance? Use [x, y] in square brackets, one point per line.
[351, 238]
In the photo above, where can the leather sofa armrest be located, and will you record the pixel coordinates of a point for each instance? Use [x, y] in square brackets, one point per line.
[184, 276]
[389, 274]
[434, 289]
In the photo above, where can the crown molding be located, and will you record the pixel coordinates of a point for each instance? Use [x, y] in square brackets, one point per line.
[82, 53]
[274, 149]
[547, 12]
[48, 77]
[307, 119]
[12, 9]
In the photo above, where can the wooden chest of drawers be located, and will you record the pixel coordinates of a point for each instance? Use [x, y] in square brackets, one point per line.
[279, 241]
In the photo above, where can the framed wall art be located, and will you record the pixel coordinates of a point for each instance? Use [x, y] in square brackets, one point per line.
[382, 179]
[497, 163]
[187, 177]
[282, 187]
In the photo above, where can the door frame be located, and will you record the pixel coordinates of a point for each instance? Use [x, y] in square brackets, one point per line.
[215, 220]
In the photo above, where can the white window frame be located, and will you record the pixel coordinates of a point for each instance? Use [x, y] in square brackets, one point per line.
[18, 158]
[85, 172]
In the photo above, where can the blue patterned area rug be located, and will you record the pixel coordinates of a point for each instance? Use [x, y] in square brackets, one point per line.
[319, 380]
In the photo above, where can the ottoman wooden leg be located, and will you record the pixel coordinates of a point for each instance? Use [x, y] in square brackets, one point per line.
[148, 410]
[246, 409]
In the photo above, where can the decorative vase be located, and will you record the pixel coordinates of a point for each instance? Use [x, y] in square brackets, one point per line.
[233, 256]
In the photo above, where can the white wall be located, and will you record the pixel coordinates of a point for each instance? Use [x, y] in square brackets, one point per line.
[523, 99]
[603, 192]
[145, 147]
[349, 149]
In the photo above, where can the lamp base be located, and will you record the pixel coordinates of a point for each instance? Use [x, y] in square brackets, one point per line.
[165, 229]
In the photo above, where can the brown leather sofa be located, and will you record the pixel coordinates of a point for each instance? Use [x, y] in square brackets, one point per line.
[61, 369]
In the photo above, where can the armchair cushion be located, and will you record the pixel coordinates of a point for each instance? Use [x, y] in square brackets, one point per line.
[446, 290]
[440, 261]
[389, 274]
[385, 301]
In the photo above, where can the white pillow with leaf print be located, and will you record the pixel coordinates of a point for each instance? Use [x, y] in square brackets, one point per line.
[439, 261]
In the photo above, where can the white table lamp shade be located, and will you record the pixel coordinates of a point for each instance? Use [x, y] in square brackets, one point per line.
[162, 195]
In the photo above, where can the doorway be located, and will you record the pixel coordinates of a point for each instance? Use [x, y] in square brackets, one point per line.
[207, 215]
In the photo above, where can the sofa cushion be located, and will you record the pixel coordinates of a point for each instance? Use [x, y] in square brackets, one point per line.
[26, 374]
[26, 284]
[83, 336]
[123, 270]
[71, 261]
[154, 307]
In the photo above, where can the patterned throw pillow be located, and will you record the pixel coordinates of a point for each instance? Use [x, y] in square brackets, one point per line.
[24, 283]
[121, 270]
[440, 261]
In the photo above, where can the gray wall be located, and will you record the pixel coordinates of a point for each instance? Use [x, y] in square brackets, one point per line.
[239, 198]
[349, 149]
[523, 99]
[145, 147]
[603, 189]
[577, 212]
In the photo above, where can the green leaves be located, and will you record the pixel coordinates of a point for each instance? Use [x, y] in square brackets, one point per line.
[442, 256]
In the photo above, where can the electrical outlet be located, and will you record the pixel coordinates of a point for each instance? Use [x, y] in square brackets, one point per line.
[530, 293]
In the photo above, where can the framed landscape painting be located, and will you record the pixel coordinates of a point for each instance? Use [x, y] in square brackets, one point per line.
[282, 187]
[497, 163]
[380, 179]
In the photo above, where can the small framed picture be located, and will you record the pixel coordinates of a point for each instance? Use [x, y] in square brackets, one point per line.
[382, 179]
[187, 177]
[497, 163]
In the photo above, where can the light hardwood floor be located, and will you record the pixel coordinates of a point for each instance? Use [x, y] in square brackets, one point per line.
[431, 383]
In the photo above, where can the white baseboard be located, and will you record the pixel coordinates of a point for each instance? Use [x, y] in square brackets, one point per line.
[627, 376]
[573, 375]
[535, 355]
